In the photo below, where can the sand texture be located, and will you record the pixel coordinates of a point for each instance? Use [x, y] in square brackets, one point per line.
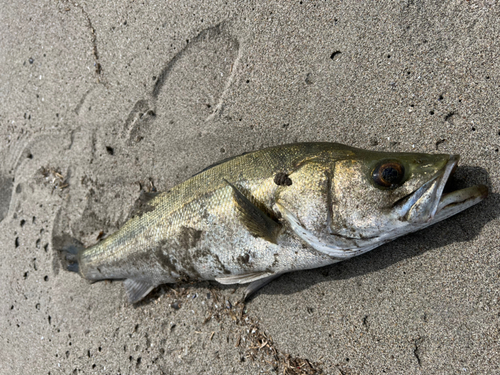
[100, 100]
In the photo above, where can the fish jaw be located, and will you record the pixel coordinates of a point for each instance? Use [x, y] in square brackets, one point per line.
[428, 204]
[452, 203]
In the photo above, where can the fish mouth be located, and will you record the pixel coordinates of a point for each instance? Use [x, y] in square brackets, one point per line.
[429, 203]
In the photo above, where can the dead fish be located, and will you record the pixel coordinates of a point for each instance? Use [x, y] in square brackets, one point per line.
[256, 216]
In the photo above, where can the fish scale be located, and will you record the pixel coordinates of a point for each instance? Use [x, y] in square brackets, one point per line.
[254, 217]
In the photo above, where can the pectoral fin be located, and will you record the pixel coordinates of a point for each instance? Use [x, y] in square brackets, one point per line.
[137, 289]
[257, 222]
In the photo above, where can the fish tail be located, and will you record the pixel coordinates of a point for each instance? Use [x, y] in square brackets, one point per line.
[69, 248]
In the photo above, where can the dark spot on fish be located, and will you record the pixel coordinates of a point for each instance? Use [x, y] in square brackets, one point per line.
[184, 277]
[163, 259]
[183, 266]
[281, 179]
[243, 259]
[142, 204]
[189, 237]
[225, 271]
[204, 213]
[276, 260]
[100, 235]
[183, 250]
[201, 253]
[193, 272]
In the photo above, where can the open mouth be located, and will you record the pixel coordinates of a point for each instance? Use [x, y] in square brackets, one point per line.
[452, 202]
[441, 182]
[429, 203]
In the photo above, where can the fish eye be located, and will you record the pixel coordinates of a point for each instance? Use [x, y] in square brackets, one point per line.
[388, 174]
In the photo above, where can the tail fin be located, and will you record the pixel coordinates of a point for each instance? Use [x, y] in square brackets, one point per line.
[68, 248]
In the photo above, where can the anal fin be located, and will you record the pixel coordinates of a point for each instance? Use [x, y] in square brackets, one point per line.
[243, 278]
[257, 222]
[137, 289]
[259, 284]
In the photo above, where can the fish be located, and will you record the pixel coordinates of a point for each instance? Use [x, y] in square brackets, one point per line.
[254, 217]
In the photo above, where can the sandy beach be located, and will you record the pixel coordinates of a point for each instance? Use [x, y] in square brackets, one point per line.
[100, 101]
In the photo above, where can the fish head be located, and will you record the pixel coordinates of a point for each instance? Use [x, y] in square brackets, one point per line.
[368, 198]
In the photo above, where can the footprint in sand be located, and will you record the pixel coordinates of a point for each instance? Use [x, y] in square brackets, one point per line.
[13, 156]
[191, 87]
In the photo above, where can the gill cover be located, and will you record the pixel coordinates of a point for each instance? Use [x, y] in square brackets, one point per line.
[352, 203]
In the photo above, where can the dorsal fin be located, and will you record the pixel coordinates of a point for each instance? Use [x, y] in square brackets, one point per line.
[219, 163]
[257, 222]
